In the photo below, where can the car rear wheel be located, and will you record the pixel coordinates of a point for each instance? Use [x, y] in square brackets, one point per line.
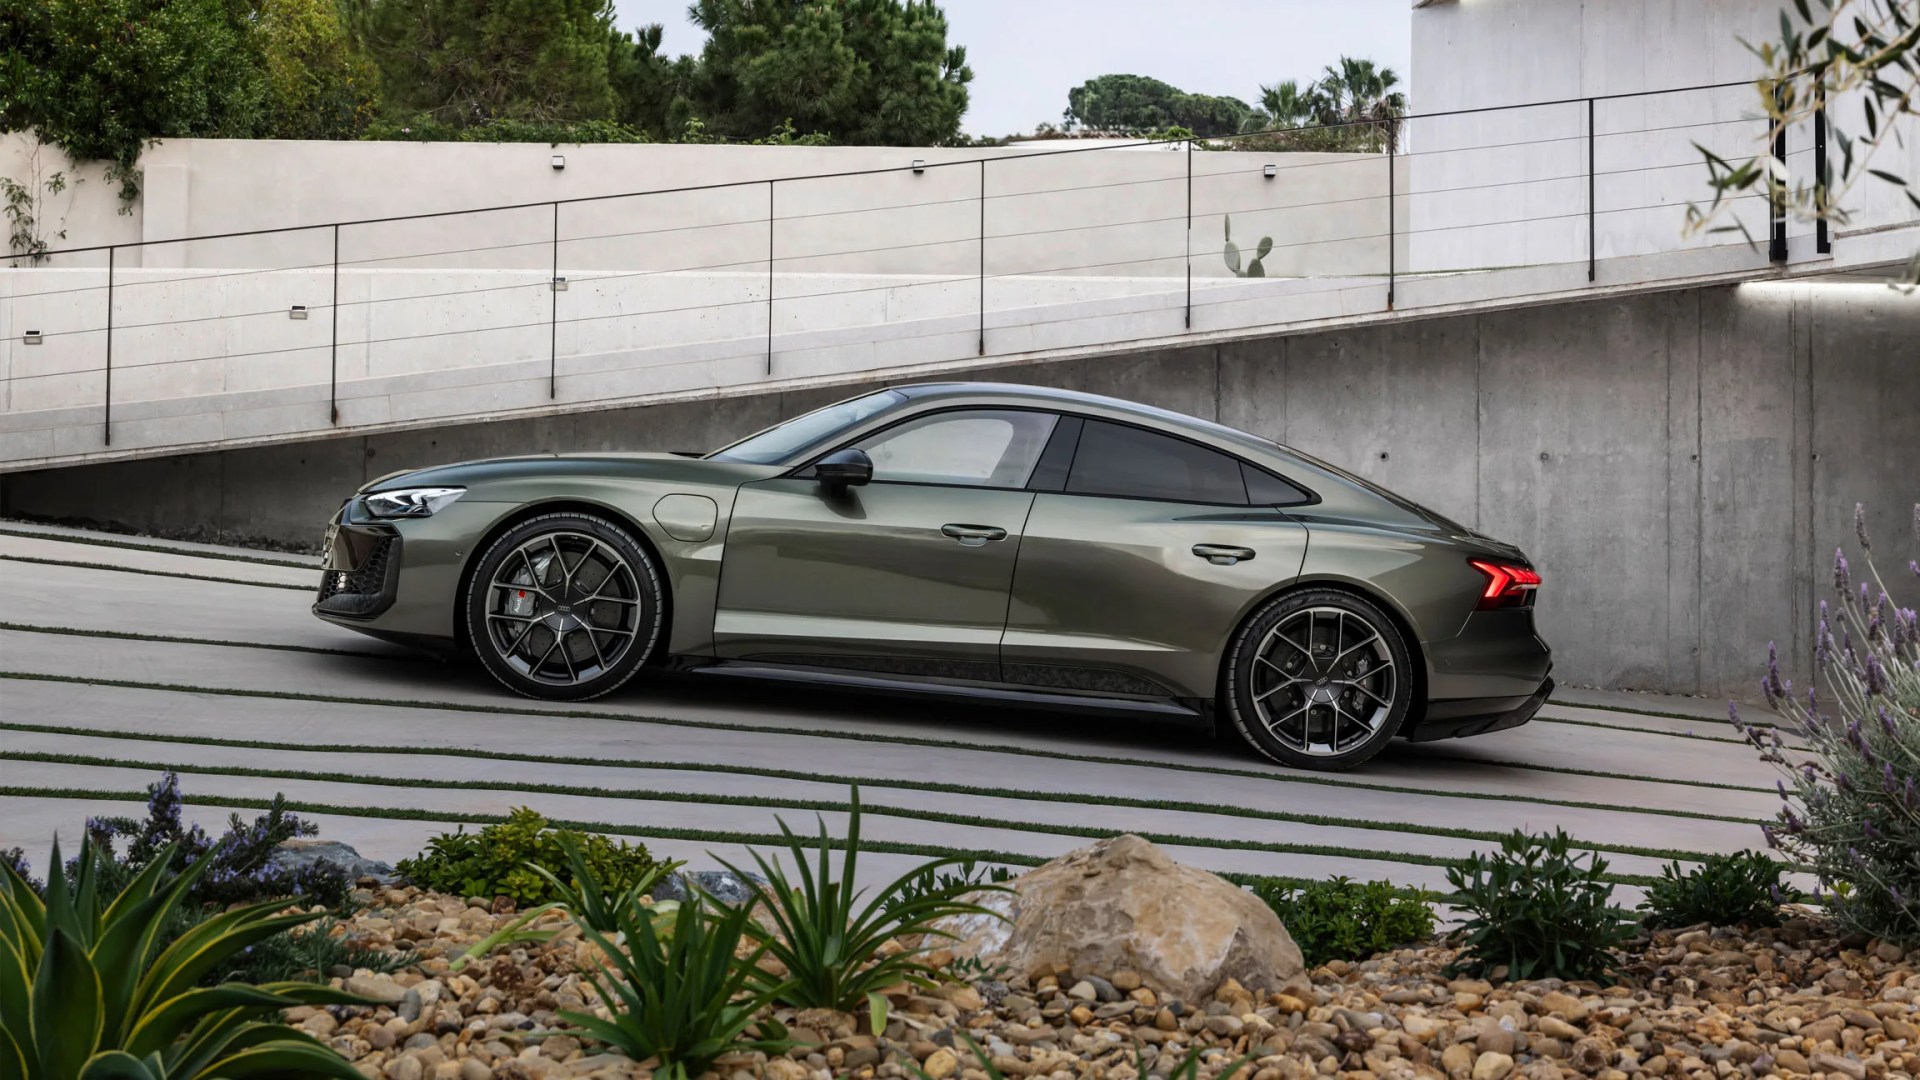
[1319, 679]
[564, 606]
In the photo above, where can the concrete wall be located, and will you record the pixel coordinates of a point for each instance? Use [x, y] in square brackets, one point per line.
[1681, 464]
[1488, 53]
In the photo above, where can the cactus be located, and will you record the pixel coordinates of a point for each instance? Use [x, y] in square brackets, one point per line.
[1232, 254]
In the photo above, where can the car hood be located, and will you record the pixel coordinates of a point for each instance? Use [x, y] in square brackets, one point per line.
[606, 464]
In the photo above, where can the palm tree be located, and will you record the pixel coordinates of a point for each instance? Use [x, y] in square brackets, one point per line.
[1355, 90]
[1286, 104]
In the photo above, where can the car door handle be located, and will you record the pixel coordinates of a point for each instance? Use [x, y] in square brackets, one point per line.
[1221, 554]
[973, 535]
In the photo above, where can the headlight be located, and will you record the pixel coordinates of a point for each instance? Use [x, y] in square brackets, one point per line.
[411, 502]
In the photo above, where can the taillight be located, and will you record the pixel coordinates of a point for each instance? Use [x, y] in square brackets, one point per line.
[1508, 584]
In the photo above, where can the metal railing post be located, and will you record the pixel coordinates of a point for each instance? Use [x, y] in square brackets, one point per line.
[333, 374]
[1593, 250]
[553, 313]
[983, 256]
[1776, 185]
[769, 277]
[1822, 238]
[106, 398]
[1189, 234]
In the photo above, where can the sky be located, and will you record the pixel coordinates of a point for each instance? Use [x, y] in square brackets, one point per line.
[1026, 54]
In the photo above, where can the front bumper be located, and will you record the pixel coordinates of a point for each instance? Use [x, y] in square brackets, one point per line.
[1459, 719]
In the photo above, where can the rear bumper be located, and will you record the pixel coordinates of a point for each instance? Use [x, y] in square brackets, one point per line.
[1477, 716]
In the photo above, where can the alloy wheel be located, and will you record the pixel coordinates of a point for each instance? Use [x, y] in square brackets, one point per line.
[1323, 681]
[563, 608]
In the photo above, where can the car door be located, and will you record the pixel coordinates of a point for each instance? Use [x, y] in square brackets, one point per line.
[908, 573]
[1133, 573]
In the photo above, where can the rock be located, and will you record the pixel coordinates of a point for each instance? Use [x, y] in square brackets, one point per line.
[1458, 1061]
[405, 1068]
[1496, 1040]
[379, 988]
[1834, 1063]
[1083, 991]
[1105, 990]
[1492, 1066]
[723, 885]
[939, 1065]
[785, 1068]
[298, 854]
[471, 1069]
[1122, 904]
[1423, 1028]
[1563, 1005]
[1555, 1028]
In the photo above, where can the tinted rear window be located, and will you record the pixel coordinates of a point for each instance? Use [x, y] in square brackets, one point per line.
[1114, 459]
[1266, 489]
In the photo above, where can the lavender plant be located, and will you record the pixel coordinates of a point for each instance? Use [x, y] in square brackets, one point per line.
[1852, 808]
[240, 866]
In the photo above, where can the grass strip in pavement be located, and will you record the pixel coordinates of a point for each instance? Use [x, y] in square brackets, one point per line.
[646, 832]
[174, 639]
[161, 549]
[1070, 798]
[1300, 777]
[161, 573]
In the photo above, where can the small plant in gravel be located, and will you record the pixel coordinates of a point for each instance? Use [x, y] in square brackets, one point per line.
[504, 859]
[239, 866]
[1534, 910]
[1342, 919]
[829, 943]
[586, 897]
[686, 996]
[1742, 889]
[965, 876]
[90, 990]
[1852, 796]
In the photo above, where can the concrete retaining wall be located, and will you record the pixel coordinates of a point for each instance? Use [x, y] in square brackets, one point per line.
[1681, 464]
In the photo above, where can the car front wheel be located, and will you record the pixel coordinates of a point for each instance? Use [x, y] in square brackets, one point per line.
[564, 606]
[1318, 679]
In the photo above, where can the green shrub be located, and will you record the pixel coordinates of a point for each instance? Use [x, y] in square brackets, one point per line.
[681, 997]
[585, 897]
[1852, 811]
[1342, 919]
[500, 860]
[88, 989]
[1724, 890]
[308, 953]
[1537, 912]
[828, 942]
[965, 876]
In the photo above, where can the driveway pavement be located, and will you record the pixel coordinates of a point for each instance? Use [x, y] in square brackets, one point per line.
[122, 657]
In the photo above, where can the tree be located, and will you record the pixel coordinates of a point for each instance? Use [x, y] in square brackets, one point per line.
[318, 86]
[865, 72]
[1285, 104]
[1830, 51]
[649, 88]
[1355, 92]
[463, 62]
[103, 78]
[1133, 104]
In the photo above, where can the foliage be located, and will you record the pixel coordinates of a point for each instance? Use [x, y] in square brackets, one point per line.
[1133, 104]
[966, 876]
[695, 131]
[1829, 50]
[500, 860]
[14, 860]
[1724, 890]
[1534, 910]
[318, 85]
[1254, 267]
[102, 78]
[237, 868]
[1352, 108]
[309, 952]
[25, 204]
[584, 895]
[862, 72]
[464, 62]
[1342, 919]
[681, 996]
[579, 132]
[829, 944]
[95, 994]
[1851, 809]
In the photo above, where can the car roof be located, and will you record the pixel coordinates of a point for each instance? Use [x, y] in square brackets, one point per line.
[1060, 398]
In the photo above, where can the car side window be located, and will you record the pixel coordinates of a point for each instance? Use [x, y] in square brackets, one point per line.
[1114, 459]
[971, 447]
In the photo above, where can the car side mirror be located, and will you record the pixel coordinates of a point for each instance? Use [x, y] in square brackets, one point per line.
[850, 467]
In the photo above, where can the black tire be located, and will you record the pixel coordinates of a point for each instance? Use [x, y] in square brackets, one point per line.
[1327, 693]
[564, 606]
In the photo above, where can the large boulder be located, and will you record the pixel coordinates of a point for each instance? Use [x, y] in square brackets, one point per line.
[1123, 905]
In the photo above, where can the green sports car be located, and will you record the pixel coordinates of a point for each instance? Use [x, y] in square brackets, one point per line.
[1008, 541]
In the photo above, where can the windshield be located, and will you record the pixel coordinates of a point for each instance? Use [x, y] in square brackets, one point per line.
[782, 441]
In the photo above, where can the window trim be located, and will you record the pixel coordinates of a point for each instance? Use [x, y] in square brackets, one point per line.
[805, 471]
[1312, 497]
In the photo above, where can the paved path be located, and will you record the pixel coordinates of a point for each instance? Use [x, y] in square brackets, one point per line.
[122, 657]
